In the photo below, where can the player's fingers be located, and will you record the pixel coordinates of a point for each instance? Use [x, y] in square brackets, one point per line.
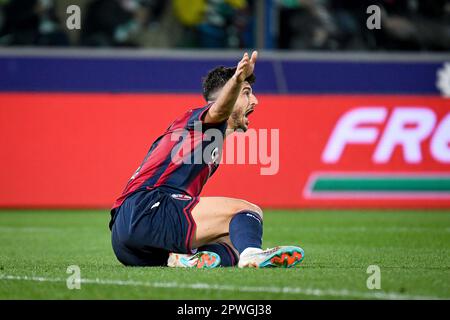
[254, 56]
[241, 67]
[242, 64]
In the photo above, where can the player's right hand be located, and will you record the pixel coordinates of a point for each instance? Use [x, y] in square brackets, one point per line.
[246, 66]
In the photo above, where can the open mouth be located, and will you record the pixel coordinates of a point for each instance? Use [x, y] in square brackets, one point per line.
[248, 112]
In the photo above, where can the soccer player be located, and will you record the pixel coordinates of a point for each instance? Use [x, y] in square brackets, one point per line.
[160, 218]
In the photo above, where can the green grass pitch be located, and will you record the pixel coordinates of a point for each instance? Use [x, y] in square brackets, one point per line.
[411, 248]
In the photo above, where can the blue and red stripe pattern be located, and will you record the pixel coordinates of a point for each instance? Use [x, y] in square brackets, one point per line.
[175, 160]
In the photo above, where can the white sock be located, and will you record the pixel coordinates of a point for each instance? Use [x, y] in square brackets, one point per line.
[250, 251]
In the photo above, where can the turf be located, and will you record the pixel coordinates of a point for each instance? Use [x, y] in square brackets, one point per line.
[412, 250]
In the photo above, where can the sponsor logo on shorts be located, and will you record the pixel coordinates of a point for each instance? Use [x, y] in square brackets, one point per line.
[155, 205]
[181, 197]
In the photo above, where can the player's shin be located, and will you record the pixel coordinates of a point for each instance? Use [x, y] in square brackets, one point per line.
[246, 230]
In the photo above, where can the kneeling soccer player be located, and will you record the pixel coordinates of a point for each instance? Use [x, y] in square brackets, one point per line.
[160, 220]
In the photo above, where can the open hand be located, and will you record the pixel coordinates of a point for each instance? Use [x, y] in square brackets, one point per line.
[246, 66]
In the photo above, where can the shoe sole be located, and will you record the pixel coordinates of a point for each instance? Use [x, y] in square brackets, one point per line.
[284, 258]
[206, 260]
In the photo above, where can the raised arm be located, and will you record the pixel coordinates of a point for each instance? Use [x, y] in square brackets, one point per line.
[223, 106]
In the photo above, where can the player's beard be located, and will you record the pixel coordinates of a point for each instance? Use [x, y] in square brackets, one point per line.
[238, 121]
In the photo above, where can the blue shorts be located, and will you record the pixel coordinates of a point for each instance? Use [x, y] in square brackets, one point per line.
[150, 224]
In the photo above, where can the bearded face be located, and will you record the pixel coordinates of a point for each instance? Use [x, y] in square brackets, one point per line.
[244, 107]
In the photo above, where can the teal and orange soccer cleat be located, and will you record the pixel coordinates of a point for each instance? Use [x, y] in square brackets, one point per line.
[201, 260]
[281, 257]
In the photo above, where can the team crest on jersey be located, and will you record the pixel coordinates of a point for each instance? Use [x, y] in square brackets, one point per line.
[181, 197]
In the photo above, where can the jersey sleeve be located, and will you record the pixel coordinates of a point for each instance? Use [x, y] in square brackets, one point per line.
[197, 120]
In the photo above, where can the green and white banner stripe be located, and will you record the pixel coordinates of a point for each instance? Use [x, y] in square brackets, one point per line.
[385, 184]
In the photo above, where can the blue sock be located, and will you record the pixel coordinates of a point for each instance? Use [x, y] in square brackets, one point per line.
[246, 230]
[227, 256]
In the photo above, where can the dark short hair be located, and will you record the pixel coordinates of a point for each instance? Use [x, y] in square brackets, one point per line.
[216, 79]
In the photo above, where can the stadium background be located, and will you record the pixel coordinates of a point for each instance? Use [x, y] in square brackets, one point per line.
[79, 109]
[76, 126]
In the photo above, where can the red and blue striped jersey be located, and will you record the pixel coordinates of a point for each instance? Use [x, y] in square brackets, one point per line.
[182, 159]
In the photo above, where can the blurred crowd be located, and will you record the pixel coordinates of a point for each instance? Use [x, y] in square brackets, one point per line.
[288, 24]
[341, 25]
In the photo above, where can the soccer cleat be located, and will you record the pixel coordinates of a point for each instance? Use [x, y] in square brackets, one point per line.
[201, 260]
[282, 257]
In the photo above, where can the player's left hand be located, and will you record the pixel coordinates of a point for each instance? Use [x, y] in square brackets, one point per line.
[246, 66]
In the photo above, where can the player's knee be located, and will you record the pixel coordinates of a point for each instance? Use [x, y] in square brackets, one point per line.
[245, 205]
[258, 210]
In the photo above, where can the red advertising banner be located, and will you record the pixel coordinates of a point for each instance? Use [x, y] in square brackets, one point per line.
[324, 151]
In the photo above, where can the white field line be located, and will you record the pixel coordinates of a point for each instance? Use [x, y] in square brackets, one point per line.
[205, 286]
